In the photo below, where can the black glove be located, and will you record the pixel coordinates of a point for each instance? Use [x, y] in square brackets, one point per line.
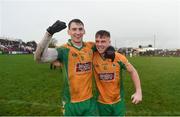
[110, 53]
[56, 27]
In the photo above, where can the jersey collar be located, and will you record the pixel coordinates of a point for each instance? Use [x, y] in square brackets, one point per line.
[71, 44]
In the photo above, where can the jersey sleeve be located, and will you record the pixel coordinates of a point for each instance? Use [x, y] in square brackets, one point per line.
[92, 46]
[49, 55]
[123, 59]
[60, 51]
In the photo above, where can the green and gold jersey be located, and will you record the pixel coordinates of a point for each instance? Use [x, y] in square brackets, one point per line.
[77, 71]
[108, 77]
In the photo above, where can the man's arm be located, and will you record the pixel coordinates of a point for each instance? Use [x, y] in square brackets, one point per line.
[137, 96]
[43, 53]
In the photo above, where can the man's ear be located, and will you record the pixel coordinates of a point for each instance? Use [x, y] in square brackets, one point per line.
[109, 42]
[84, 31]
[68, 31]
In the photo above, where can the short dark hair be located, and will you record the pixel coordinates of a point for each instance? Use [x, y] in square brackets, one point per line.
[78, 21]
[102, 33]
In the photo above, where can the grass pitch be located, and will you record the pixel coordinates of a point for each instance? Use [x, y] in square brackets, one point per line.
[28, 88]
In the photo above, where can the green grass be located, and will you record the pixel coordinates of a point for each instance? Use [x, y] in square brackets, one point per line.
[28, 88]
[160, 84]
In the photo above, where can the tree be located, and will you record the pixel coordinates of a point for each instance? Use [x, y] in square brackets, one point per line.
[32, 44]
[149, 45]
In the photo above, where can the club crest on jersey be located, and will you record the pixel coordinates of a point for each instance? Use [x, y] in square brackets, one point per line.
[105, 68]
[106, 76]
[90, 53]
[74, 55]
[83, 67]
[82, 58]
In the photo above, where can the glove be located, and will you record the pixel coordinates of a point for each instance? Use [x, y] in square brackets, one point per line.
[110, 53]
[56, 27]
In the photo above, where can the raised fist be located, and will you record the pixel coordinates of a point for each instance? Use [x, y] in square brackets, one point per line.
[110, 53]
[56, 27]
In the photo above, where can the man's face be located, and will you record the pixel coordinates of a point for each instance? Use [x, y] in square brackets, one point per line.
[102, 43]
[76, 32]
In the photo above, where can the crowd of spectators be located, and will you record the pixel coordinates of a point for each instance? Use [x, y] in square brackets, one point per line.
[8, 46]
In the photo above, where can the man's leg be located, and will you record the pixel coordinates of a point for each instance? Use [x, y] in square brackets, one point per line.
[119, 108]
[91, 109]
[77, 109]
[71, 109]
[104, 109]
